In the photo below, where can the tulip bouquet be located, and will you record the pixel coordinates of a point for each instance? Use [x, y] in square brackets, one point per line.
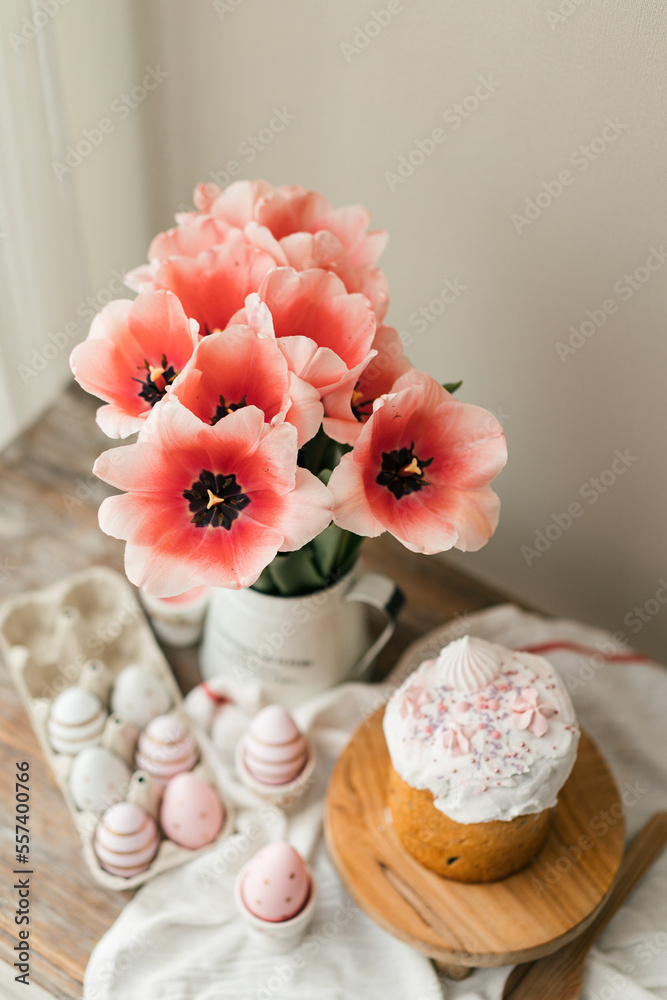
[279, 421]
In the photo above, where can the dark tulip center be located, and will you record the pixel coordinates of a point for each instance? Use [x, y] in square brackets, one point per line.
[361, 408]
[402, 471]
[224, 408]
[215, 500]
[158, 377]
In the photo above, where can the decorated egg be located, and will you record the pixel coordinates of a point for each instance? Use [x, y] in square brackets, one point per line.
[206, 701]
[274, 751]
[139, 695]
[76, 720]
[126, 839]
[166, 747]
[276, 884]
[191, 814]
[98, 779]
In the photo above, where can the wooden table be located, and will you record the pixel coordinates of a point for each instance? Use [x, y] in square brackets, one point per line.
[48, 520]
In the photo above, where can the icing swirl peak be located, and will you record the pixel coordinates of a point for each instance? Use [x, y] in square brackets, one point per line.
[469, 664]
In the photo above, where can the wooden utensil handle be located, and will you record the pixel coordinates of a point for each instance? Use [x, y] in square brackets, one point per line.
[640, 855]
[565, 966]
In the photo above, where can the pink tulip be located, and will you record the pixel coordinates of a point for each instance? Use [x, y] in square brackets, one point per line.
[421, 470]
[324, 332]
[309, 232]
[213, 285]
[208, 505]
[196, 234]
[236, 367]
[133, 351]
[325, 250]
[235, 204]
[349, 405]
[292, 209]
[299, 228]
[199, 232]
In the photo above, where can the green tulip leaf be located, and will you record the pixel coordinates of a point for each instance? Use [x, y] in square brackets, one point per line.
[295, 573]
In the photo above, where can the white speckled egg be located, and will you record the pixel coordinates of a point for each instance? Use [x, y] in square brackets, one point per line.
[274, 751]
[76, 720]
[139, 695]
[276, 885]
[98, 779]
[191, 813]
[166, 747]
[126, 839]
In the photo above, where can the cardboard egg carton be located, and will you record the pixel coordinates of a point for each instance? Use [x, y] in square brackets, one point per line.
[84, 630]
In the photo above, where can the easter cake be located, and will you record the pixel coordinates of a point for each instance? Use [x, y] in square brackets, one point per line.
[481, 740]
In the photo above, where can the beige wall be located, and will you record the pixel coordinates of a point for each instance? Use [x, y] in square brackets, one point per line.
[550, 76]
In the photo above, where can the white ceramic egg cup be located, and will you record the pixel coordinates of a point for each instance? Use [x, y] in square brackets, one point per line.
[284, 795]
[48, 639]
[277, 936]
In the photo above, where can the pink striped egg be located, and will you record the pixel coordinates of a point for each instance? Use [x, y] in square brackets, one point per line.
[274, 751]
[126, 839]
[166, 747]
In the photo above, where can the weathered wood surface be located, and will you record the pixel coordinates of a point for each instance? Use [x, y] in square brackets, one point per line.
[517, 919]
[48, 527]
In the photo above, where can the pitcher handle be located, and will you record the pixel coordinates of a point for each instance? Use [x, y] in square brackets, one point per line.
[384, 594]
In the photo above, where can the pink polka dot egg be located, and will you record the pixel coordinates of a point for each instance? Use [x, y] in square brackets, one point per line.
[191, 813]
[276, 884]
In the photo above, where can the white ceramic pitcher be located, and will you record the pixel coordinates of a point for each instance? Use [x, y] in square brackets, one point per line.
[285, 649]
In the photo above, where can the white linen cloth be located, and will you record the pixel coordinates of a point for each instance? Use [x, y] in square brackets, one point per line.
[180, 938]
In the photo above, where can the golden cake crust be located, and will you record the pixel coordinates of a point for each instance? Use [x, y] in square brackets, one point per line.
[466, 852]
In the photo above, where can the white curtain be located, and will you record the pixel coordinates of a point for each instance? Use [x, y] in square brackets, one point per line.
[71, 213]
[42, 262]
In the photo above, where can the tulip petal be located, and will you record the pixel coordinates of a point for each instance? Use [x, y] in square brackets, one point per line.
[213, 285]
[199, 233]
[317, 365]
[315, 304]
[117, 422]
[308, 510]
[140, 278]
[237, 203]
[352, 510]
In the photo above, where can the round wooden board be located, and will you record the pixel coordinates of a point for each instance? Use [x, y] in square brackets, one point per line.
[518, 919]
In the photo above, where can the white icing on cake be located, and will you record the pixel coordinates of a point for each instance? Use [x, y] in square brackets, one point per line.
[490, 732]
[468, 664]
